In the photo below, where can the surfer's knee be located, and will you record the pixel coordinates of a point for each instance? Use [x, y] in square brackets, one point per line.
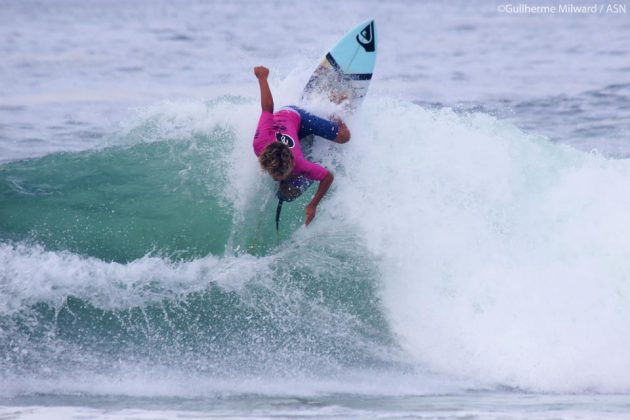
[343, 135]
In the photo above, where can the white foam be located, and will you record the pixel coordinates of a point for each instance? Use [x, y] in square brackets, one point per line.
[504, 256]
[31, 274]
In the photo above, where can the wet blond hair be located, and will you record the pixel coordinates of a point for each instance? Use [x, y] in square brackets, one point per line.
[277, 159]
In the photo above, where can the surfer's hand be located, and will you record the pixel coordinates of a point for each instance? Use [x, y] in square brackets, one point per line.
[310, 213]
[261, 72]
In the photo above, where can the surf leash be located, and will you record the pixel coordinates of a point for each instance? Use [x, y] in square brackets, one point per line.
[290, 190]
[278, 211]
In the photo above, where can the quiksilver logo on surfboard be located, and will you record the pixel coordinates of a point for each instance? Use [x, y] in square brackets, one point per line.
[366, 38]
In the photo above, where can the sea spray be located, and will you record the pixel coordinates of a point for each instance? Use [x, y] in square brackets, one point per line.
[482, 251]
[503, 255]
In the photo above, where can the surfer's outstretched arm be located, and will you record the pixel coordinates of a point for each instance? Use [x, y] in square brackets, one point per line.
[266, 100]
[311, 208]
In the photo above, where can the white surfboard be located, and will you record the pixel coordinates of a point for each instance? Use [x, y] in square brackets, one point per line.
[343, 77]
[345, 72]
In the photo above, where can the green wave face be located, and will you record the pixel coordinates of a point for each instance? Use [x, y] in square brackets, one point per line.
[121, 203]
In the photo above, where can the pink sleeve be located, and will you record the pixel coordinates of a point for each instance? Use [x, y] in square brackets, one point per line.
[263, 131]
[311, 170]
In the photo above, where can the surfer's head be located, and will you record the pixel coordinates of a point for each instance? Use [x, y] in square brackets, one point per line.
[277, 159]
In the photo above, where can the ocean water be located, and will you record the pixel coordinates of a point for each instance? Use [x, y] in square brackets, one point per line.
[470, 262]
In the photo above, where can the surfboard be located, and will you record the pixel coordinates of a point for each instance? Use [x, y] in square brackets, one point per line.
[346, 70]
[343, 77]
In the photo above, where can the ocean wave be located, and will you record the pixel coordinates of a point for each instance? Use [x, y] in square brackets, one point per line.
[479, 250]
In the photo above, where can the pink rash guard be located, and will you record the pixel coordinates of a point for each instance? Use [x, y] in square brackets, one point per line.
[283, 126]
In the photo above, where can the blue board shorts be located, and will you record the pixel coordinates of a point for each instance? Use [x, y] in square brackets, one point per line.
[313, 125]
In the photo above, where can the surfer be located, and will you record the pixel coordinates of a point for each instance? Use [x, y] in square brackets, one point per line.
[277, 144]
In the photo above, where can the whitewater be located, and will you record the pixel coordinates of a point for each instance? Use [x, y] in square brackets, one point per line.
[470, 260]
